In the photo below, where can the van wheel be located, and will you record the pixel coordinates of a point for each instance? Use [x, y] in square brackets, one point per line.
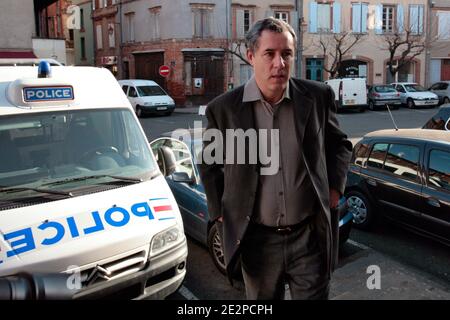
[139, 112]
[371, 105]
[215, 249]
[362, 210]
[410, 103]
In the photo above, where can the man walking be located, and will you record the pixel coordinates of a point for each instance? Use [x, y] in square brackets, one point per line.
[281, 225]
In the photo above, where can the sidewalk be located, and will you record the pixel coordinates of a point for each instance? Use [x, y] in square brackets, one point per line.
[182, 109]
[397, 281]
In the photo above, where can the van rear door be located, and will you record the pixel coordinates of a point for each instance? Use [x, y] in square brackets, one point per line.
[354, 92]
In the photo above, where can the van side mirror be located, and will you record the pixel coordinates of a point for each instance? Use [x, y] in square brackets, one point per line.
[181, 177]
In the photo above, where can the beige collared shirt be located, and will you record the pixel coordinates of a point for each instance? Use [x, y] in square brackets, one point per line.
[284, 198]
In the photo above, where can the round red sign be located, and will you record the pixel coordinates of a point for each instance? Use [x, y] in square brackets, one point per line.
[164, 71]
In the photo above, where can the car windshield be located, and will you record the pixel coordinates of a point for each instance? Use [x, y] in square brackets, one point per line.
[145, 91]
[71, 153]
[384, 89]
[414, 88]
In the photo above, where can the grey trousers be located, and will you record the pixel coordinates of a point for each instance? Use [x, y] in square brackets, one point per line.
[270, 259]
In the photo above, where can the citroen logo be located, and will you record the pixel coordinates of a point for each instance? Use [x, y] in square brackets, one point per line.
[98, 272]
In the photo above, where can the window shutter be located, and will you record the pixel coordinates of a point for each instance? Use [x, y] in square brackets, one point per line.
[379, 19]
[336, 17]
[356, 17]
[240, 23]
[400, 19]
[313, 17]
[365, 10]
[420, 21]
[413, 18]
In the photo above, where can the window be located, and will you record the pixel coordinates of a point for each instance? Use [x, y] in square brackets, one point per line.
[154, 23]
[324, 17]
[377, 155]
[246, 20]
[359, 17]
[202, 22]
[99, 36]
[402, 160]
[282, 15]
[82, 20]
[132, 92]
[416, 19]
[129, 20]
[400, 89]
[439, 169]
[388, 18]
[359, 154]
[125, 89]
[111, 35]
[83, 48]
[443, 25]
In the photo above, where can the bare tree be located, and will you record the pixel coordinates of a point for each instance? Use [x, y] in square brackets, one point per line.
[403, 47]
[238, 49]
[336, 46]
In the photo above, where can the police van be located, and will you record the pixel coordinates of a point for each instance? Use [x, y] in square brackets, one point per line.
[80, 191]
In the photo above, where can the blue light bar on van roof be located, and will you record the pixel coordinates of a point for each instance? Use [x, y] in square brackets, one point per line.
[44, 70]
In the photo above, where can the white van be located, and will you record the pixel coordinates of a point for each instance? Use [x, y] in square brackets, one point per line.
[80, 190]
[147, 96]
[350, 93]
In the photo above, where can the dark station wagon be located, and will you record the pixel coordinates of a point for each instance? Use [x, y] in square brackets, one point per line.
[403, 175]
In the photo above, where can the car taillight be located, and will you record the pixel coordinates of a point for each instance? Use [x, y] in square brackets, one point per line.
[377, 94]
[398, 94]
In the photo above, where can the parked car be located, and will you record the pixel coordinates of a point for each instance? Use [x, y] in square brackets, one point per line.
[350, 93]
[412, 95]
[403, 175]
[147, 96]
[441, 120]
[380, 95]
[442, 89]
[177, 159]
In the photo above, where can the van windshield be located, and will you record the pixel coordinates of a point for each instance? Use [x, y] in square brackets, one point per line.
[71, 152]
[145, 91]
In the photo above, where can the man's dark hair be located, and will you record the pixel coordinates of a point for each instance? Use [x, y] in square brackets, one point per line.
[271, 24]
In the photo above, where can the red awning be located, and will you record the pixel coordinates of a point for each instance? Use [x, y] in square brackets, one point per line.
[17, 55]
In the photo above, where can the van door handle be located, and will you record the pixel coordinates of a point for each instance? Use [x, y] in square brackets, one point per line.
[434, 202]
[372, 182]
[355, 94]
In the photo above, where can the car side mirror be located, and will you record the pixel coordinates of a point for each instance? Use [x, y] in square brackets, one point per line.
[181, 177]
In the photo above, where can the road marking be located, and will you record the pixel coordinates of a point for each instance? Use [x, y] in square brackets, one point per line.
[357, 244]
[188, 295]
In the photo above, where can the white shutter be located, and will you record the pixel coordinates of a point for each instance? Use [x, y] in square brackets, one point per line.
[313, 17]
[400, 18]
[336, 17]
[420, 21]
[356, 17]
[240, 23]
[379, 19]
[99, 36]
[365, 10]
[413, 19]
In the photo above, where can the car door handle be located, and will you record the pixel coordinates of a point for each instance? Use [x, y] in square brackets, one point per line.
[372, 182]
[434, 202]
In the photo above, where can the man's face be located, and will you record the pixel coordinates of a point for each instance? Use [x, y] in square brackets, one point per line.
[272, 61]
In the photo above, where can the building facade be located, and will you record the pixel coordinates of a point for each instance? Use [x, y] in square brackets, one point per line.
[83, 39]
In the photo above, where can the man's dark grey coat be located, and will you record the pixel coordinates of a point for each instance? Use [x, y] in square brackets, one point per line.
[231, 188]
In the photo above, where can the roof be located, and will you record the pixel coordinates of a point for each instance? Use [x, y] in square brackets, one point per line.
[138, 82]
[92, 87]
[422, 134]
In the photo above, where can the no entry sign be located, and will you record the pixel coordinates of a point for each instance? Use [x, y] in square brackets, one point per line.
[164, 71]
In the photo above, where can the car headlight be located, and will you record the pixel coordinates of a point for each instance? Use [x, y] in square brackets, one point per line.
[148, 104]
[165, 240]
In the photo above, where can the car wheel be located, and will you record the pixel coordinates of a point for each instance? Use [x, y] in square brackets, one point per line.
[446, 100]
[139, 112]
[215, 249]
[371, 105]
[410, 103]
[360, 207]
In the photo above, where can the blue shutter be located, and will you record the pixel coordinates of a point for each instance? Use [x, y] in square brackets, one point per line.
[400, 19]
[336, 17]
[379, 19]
[356, 17]
[313, 17]
[365, 9]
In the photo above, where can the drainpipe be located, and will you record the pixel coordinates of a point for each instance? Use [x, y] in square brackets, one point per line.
[299, 52]
[429, 26]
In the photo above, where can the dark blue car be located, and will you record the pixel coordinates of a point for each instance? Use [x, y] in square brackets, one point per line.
[177, 161]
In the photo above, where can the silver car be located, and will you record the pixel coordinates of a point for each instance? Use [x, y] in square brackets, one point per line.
[380, 95]
[442, 89]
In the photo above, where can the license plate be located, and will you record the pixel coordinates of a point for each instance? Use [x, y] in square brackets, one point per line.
[349, 102]
[429, 102]
[161, 108]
